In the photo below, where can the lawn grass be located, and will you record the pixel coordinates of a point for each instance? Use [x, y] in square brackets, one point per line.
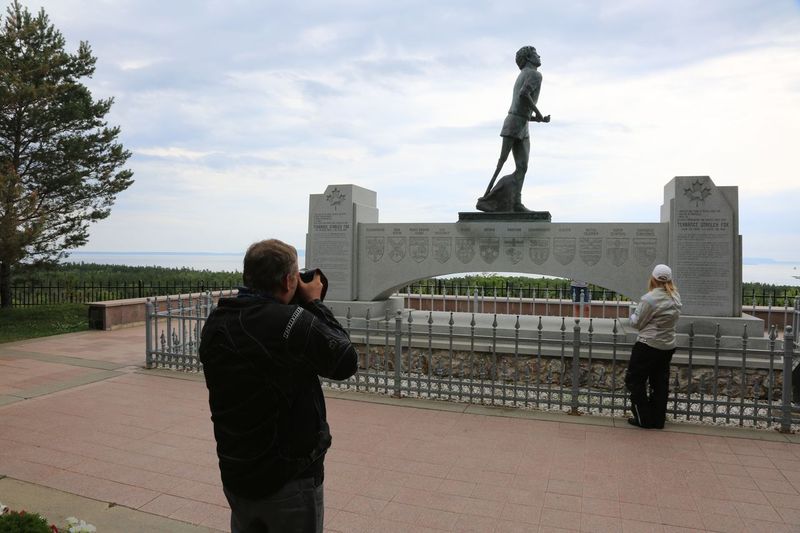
[18, 323]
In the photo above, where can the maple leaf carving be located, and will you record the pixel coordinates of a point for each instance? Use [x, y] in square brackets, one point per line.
[697, 193]
[335, 197]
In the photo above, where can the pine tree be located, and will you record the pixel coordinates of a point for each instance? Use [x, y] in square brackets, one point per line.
[60, 163]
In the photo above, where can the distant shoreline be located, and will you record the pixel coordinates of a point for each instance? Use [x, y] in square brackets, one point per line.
[755, 270]
[746, 260]
[155, 253]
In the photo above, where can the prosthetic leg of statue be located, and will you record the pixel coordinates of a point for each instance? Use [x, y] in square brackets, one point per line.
[506, 194]
[521, 150]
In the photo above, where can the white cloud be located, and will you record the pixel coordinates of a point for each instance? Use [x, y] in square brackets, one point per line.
[252, 113]
[172, 152]
[139, 63]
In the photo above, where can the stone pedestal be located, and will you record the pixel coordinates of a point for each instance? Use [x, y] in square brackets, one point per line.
[377, 309]
[527, 216]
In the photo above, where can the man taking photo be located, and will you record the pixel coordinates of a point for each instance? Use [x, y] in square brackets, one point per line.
[262, 353]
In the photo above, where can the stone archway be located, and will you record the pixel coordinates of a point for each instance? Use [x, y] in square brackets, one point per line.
[366, 261]
[619, 257]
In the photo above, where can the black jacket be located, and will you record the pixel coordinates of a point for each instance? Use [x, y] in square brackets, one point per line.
[261, 361]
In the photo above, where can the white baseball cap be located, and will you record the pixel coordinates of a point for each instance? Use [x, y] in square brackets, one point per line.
[662, 273]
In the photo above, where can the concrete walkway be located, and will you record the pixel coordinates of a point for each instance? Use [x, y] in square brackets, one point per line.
[85, 431]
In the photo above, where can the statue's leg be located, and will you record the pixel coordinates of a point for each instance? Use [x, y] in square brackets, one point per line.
[504, 151]
[521, 150]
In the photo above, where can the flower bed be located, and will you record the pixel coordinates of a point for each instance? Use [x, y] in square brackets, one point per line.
[12, 521]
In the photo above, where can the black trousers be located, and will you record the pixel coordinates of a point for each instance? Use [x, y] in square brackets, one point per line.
[296, 508]
[647, 379]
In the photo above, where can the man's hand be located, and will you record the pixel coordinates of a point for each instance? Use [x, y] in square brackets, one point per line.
[541, 118]
[310, 291]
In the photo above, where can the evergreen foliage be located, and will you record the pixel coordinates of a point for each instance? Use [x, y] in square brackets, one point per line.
[59, 161]
[75, 273]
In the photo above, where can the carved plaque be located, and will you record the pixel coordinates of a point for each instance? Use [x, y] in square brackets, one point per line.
[564, 249]
[397, 248]
[418, 248]
[513, 249]
[442, 248]
[375, 248]
[539, 250]
[644, 250]
[617, 250]
[590, 250]
[489, 249]
[465, 249]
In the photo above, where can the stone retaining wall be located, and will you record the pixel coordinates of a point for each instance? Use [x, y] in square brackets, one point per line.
[602, 375]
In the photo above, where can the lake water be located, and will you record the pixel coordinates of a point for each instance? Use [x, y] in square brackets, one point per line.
[768, 272]
[216, 262]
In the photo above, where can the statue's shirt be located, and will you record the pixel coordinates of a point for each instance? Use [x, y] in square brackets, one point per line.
[529, 82]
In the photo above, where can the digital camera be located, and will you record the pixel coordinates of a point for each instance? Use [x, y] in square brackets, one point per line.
[307, 275]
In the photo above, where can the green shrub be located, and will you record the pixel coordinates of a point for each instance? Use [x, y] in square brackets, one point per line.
[22, 522]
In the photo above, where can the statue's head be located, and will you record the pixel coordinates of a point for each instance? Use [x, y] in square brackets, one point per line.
[525, 54]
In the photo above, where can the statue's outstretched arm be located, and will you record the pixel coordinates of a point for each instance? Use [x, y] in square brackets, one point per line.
[537, 116]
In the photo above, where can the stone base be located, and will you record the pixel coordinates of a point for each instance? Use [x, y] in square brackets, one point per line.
[728, 326]
[529, 216]
[377, 309]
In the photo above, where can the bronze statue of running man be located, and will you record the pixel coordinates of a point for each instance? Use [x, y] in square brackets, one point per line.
[506, 196]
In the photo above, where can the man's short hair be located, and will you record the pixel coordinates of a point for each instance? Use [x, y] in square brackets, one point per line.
[523, 54]
[267, 263]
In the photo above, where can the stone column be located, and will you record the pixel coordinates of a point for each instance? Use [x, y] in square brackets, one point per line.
[705, 250]
[331, 241]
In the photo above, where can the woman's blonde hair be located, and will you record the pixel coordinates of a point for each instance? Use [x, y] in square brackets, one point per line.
[668, 286]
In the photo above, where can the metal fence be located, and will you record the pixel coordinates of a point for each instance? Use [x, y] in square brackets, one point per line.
[575, 366]
[56, 292]
[172, 331]
[557, 301]
[26, 294]
[556, 289]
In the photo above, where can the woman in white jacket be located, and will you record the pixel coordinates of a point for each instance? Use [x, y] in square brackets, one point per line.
[655, 318]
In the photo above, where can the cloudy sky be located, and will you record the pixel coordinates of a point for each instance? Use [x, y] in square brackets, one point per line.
[237, 110]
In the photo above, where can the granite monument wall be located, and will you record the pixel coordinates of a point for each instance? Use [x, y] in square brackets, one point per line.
[367, 261]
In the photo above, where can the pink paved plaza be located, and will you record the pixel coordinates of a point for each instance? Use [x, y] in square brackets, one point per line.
[80, 418]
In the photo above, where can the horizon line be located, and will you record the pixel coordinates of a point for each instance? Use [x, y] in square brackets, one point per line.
[300, 251]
